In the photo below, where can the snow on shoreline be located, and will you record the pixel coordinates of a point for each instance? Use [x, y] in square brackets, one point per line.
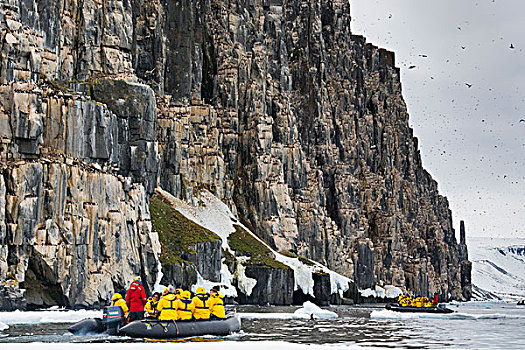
[388, 291]
[46, 316]
[215, 216]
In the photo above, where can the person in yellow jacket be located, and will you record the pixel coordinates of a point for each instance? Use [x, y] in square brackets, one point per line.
[202, 304]
[427, 303]
[117, 300]
[216, 304]
[151, 305]
[167, 306]
[178, 293]
[404, 300]
[417, 302]
[185, 306]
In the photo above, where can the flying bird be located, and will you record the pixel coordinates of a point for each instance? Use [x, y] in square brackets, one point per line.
[469, 85]
[511, 46]
[422, 55]
[411, 67]
[522, 120]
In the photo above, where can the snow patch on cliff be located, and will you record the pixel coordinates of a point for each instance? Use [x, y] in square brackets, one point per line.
[217, 217]
[245, 283]
[388, 291]
[225, 286]
[211, 214]
[159, 287]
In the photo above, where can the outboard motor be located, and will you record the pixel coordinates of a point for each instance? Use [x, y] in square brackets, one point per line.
[113, 317]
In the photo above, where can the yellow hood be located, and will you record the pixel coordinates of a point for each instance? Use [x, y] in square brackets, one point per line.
[116, 296]
[169, 297]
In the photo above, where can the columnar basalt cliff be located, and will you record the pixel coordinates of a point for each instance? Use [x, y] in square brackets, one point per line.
[297, 125]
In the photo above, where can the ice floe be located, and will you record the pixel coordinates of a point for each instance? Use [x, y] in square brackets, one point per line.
[309, 310]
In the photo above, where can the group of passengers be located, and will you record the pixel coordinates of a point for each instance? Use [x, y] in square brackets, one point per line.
[407, 300]
[173, 304]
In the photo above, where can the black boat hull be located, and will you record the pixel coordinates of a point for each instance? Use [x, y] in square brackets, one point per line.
[113, 318]
[434, 310]
[181, 329]
[88, 326]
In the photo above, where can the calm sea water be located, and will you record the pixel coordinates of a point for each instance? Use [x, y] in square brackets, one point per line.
[472, 326]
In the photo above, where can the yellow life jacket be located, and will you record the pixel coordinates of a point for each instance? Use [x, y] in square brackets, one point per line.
[185, 308]
[202, 307]
[217, 305]
[117, 300]
[151, 308]
[168, 308]
[405, 300]
[418, 302]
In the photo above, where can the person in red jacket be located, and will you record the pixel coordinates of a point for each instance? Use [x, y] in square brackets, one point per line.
[136, 299]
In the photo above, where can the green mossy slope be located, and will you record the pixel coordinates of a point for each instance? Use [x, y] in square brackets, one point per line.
[245, 244]
[177, 234]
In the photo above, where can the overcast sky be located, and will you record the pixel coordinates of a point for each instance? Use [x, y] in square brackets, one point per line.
[465, 97]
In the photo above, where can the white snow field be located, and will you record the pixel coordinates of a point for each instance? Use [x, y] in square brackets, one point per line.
[498, 267]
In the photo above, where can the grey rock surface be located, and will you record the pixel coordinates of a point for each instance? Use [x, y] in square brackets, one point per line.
[297, 125]
[274, 286]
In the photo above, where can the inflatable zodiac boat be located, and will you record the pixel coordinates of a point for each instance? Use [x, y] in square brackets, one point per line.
[113, 324]
[433, 309]
[180, 329]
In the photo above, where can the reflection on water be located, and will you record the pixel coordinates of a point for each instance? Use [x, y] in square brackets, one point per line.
[474, 325]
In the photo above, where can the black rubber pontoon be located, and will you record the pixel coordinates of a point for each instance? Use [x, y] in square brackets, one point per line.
[88, 326]
[435, 309]
[113, 317]
[181, 329]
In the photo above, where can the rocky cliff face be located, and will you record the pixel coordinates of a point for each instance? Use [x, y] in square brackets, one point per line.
[296, 124]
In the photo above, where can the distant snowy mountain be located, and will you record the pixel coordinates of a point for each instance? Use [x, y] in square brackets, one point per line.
[498, 267]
